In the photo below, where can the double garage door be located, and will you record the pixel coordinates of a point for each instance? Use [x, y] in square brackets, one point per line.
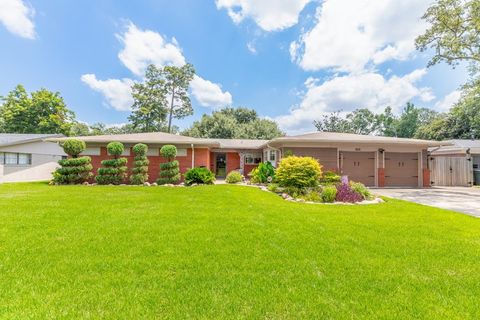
[401, 169]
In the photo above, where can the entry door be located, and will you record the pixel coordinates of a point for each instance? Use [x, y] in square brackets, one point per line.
[401, 169]
[221, 165]
[359, 167]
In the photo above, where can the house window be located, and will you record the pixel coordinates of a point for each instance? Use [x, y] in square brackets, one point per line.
[272, 155]
[253, 158]
[91, 151]
[181, 152]
[9, 158]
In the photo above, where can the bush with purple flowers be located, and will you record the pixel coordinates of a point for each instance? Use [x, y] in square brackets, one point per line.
[346, 194]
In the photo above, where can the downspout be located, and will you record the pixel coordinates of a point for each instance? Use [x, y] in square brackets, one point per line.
[193, 156]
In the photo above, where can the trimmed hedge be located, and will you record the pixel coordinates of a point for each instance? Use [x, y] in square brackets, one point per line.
[140, 170]
[73, 147]
[169, 171]
[73, 171]
[114, 170]
[298, 172]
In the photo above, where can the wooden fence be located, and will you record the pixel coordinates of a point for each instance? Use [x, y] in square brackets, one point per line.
[451, 170]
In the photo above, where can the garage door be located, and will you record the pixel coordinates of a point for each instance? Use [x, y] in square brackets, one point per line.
[401, 169]
[359, 167]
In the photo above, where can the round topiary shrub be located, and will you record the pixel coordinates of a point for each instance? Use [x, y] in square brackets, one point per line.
[298, 172]
[73, 147]
[234, 177]
[114, 171]
[199, 176]
[75, 170]
[169, 171]
[140, 169]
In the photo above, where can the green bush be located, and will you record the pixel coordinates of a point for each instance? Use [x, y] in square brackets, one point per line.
[73, 171]
[73, 147]
[361, 189]
[263, 173]
[298, 172]
[199, 176]
[169, 171]
[140, 170]
[114, 171]
[115, 149]
[329, 193]
[312, 195]
[234, 177]
[329, 178]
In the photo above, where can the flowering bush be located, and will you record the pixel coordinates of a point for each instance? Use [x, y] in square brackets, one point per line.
[346, 194]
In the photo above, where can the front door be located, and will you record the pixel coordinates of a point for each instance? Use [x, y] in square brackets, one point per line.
[221, 165]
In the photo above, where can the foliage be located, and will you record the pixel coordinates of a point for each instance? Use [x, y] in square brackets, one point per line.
[274, 187]
[162, 97]
[114, 171]
[234, 123]
[140, 170]
[311, 195]
[73, 147]
[329, 194]
[98, 128]
[234, 177]
[361, 189]
[329, 178]
[73, 171]
[169, 171]
[115, 148]
[199, 176]
[263, 173]
[288, 153]
[298, 172]
[41, 112]
[346, 194]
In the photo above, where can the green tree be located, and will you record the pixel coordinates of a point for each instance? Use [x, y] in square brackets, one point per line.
[453, 33]
[333, 122]
[177, 81]
[41, 112]
[234, 123]
[363, 121]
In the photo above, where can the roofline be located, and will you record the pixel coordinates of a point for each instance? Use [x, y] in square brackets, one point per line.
[46, 139]
[88, 139]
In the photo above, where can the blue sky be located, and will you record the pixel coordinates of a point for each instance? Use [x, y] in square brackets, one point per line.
[291, 60]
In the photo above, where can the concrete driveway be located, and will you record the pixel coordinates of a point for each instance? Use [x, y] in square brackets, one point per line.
[460, 199]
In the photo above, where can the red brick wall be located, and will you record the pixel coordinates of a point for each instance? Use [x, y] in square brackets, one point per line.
[426, 177]
[233, 161]
[249, 167]
[202, 158]
[381, 177]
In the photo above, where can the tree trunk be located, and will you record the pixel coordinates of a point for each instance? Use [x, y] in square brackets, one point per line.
[171, 112]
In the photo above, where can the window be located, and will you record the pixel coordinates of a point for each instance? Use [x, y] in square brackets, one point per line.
[253, 158]
[153, 152]
[91, 151]
[272, 155]
[181, 152]
[9, 158]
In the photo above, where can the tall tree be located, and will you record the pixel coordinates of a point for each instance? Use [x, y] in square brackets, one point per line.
[333, 122]
[177, 81]
[41, 112]
[234, 123]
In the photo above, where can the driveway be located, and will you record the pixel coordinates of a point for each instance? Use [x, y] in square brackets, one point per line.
[460, 199]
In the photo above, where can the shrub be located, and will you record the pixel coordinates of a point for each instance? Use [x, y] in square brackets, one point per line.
[329, 194]
[199, 176]
[169, 172]
[73, 147]
[346, 194]
[114, 171]
[73, 171]
[274, 187]
[298, 172]
[263, 173]
[140, 170]
[234, 177]
[361, 189]
[329, 178]
[115, 149]
[312, 195]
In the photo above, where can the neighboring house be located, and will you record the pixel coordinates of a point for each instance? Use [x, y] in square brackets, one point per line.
[372, 160]
[27, 157]
[457, 164]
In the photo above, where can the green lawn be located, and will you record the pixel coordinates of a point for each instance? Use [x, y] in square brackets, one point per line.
[229, 252]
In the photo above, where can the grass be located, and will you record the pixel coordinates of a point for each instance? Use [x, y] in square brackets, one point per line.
[229, 252]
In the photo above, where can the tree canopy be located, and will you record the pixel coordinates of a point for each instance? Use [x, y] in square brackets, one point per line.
[234, 123]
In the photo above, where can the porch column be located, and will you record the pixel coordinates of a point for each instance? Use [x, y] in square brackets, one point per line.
[242, 161]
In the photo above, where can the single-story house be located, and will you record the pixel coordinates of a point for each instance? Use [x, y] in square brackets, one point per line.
[372, 160]
[28, 157]
[456, 164]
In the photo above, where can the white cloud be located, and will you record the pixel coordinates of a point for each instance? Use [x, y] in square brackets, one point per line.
[350, 34]
[117, 93]
[210, 94]
[144, 47]
[251, 47]
[17, 17]
[270, 15]
[448, 101]
[363, 90]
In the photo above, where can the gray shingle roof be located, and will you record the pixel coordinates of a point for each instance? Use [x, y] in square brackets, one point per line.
[9, 139]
